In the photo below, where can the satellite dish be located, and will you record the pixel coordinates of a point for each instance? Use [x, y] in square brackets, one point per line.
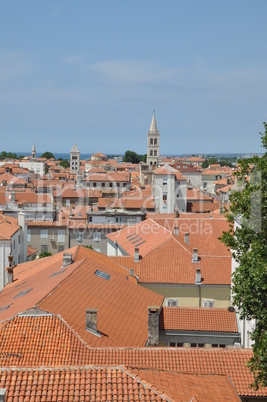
[9, 197]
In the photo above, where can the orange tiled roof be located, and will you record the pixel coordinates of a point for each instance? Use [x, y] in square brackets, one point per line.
[171, 262]
[113, 384]
[70, 291]
[8, 227]
[198, 319]
[31, 251]
[146, 235]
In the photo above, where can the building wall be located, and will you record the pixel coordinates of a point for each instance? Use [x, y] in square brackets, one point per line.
[188, 296]
[50, 241]
[34, 166]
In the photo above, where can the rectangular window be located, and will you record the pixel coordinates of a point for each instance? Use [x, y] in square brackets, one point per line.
[124, 184]
[172, 302]
[79, 236]
[14, 244]
[44, 248]
[118, 184]
[103, 184]
[60, 248]
[90, 219]
[67, 203]
[164, 197]
[61, 236]
[165, 182]
[94, 184]
[208, 303]
[29, 233]
[97, 236]
[110, 185]
[44, 234]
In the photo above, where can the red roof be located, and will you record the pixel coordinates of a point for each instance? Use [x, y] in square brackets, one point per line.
[198, 319]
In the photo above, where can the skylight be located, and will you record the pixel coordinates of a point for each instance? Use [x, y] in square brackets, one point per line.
[24, 292]
[57, 273]
[102, 274]
[5, 307]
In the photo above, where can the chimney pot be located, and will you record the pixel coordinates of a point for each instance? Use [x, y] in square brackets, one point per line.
[91, 319]
[131, 272]
[195, 255]
[67, 259]
[176, 230]
[198, 277]
[153, 326]
[186, 238]
[136, 254]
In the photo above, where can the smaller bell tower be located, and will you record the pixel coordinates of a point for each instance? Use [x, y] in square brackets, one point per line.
[152, 158]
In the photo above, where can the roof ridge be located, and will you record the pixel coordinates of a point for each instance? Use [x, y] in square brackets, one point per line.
[73, 331]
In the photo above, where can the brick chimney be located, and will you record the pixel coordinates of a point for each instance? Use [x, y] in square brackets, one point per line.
[153, 326]
[91, 320]
[10, 269]
[186, 238]
[176, 230]
[136, 254]
[195, 255]
[67, 259]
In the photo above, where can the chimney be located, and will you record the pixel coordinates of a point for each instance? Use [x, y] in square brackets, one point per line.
[186, 238]
[2, 394]
[13, 196]
[221, 209]
[198, 277]
[131, 272]
[10, 269]
[91, 320]
[153, 326]
[136, 254]
[195, 255]
[67, 259]
[176, 230]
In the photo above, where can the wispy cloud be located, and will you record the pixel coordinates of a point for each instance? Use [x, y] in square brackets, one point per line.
[13, 65]
[55, 11]
[76, 59]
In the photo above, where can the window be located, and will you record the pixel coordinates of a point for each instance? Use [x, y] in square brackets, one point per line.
[124, 185]
[94, 184]
[110, 184]
[44, 248]
[60, 248]
[155, 141]
[44, 234]
[193, 345]
[155, 152]
[165, 182]
[151, 141]
[208, 303]
[14, 244]
[164, 198]
[103, 184]
[97, 236]
[29, 235]
[118, 184]
[172, 302]
[102, 274]
[80, 236]
[61, 236]
[172, 344]
[151, 152]
[67, 203]
[176, 344]
[90, 219]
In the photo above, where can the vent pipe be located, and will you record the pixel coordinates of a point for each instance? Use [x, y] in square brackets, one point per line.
[186, 238]
[136, 254]
[67, 259]
[195, 255]
[91, 320]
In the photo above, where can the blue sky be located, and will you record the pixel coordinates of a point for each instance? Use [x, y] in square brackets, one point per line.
[93, 71]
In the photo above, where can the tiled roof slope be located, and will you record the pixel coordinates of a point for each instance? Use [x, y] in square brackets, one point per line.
[40, 340]
[204, 231]
[69, 291]
[147, 235]
[198, 319]
[8, 227]
[231, 362]
[112, 384]
[121, 302]
[171, 262]
[185, 387]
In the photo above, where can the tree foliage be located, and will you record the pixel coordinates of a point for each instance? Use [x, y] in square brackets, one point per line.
[248, 241]
[65, 163]
[45, 254]
[7, 155]
[48, 155]
[133, 157]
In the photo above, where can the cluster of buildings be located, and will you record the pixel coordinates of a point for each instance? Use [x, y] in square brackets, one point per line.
[134, 302]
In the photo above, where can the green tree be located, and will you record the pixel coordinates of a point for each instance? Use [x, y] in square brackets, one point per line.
[65, 163]
[48, 155]
[7, 155]
[249, 246]
[45, 254]
[133, 157]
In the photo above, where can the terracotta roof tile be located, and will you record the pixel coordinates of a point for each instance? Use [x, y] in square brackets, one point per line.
[198, 319]
[8, 227]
